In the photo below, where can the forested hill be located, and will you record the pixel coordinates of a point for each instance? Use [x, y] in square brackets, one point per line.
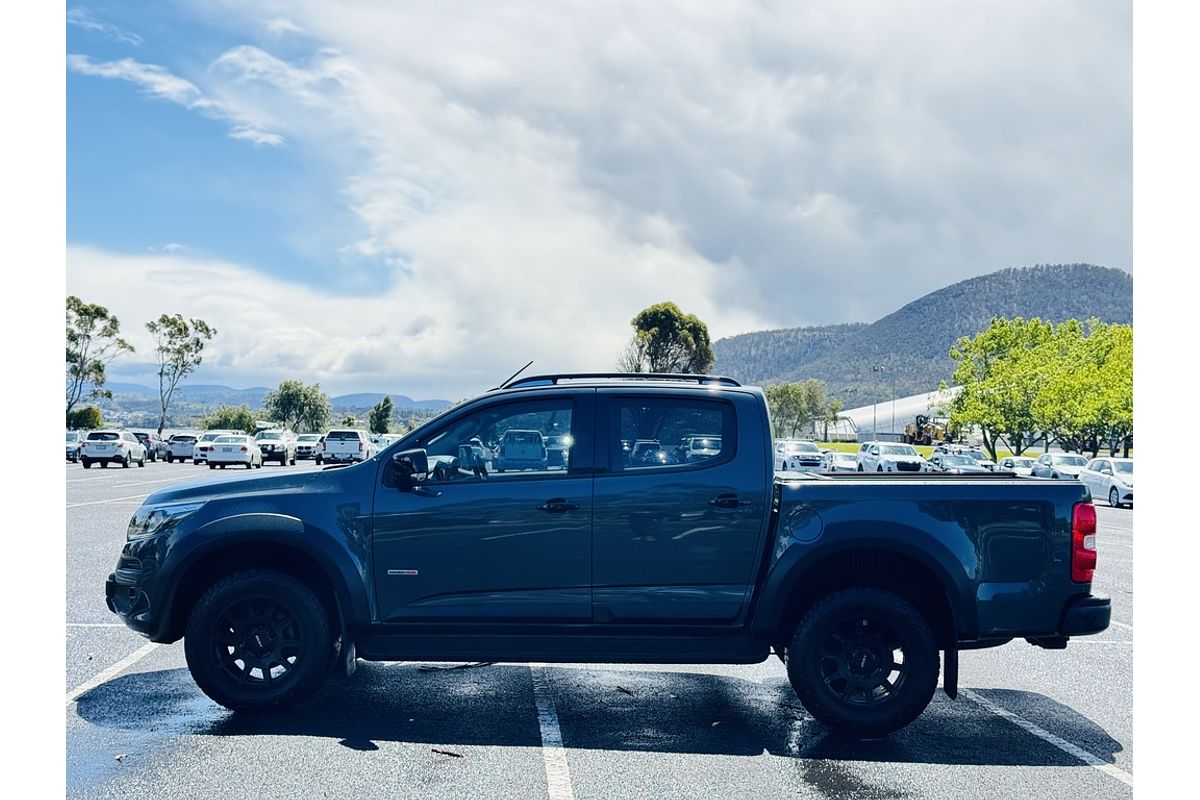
[912, 344]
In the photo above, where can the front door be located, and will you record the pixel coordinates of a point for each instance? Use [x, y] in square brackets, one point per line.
[488, 536]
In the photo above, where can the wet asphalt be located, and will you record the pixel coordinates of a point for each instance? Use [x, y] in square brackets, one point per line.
[1027, 724]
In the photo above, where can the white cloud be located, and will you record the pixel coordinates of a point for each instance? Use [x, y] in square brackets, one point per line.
[82, 18]
[278, 26]
[538, 172]
[157, 81]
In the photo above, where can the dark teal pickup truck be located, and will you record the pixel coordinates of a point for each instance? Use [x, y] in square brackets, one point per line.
[630, 548]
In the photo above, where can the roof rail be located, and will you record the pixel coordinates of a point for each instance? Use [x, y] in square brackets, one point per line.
[553, 380]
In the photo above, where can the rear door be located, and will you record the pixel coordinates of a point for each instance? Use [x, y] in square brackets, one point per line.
[676, 541]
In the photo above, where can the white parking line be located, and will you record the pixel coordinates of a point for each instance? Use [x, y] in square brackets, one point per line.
[1120, 624]
[95, 624]
[110, 500]
[1062, 744]
[554, 757]
[144, 483]
[110, 673]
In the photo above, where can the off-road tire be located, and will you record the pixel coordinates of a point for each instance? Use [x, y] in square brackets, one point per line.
[275, 612]
[857, 626]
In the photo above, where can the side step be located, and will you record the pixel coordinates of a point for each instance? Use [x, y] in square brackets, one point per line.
[562, 649]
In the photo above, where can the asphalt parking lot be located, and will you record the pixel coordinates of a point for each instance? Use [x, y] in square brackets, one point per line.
[1027, 722]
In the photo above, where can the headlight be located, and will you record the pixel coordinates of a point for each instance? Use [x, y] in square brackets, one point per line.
[149, 520]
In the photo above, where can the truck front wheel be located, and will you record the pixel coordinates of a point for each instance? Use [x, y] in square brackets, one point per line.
[864, 662]
[258, 639]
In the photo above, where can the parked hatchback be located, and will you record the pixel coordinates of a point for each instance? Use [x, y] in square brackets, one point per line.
[1110, 478]
[1059, 466]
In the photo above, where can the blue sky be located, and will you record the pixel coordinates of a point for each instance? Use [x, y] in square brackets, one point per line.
[421, 197]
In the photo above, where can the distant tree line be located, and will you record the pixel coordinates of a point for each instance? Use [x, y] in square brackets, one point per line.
[1025, 380]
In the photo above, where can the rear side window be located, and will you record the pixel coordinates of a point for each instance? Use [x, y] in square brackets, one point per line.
[670, 433]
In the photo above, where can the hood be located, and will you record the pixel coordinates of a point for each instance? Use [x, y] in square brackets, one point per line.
[309, 482]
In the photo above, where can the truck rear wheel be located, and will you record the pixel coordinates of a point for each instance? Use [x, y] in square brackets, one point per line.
[864, 662]
[258, 639]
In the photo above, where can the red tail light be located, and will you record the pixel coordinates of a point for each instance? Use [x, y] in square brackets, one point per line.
[244, 450]
[120, 445]
[1083, 543]
[360, 447]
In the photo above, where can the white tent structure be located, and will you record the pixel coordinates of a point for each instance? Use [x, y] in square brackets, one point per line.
[887, 418]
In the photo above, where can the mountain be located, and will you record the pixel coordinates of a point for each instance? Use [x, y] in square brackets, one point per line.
[912, 344]
[366, 400]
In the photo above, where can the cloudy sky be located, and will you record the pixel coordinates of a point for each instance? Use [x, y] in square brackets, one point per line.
[420, 197]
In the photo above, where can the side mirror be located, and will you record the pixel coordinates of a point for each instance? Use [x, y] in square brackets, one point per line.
[412, 466]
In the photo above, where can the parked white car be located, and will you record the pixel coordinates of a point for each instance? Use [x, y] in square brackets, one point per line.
[1021, 465]
[233, 449]
[73, 440]
[796, 455]
[1059, 466]
[1111, 478]
[181, 446]
[308, 445]
[106, 447]
[837, 461]
[346, 445]
[277, 446]
[890, 457]
[204, 444]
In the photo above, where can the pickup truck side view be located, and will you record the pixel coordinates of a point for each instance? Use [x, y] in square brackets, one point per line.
[866, 586]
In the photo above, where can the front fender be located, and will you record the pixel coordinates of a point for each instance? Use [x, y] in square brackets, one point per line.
[345, 570]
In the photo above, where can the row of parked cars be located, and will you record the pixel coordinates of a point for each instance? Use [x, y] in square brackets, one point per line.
[1106, 477]
[222, 448]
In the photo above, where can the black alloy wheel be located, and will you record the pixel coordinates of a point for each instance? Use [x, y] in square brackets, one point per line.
[864, 662]
[257, 639]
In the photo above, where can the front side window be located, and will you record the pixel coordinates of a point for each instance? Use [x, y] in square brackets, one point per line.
[670, 433]
[504, 442]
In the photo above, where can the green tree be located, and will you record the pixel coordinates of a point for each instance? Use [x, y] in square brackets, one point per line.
[831, 414]
[178, 345]
[667, 340]
[304, 409]
[350, 421]
[1001, 370]
[232, 418]
[87, 418]
[1086, 400]
[93, 341]
[795, 406]
[381, 415]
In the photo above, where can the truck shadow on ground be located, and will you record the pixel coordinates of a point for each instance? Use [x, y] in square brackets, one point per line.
[597, 708]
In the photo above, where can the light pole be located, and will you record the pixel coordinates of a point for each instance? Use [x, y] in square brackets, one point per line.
[875, 408]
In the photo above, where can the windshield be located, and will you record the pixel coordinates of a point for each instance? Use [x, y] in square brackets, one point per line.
[208, 437]
[802, 447]
[1021, 462]
[72, 436]
[230, 439]
[104, 436]
[897, 450]
[269, 435]
[309, 437]
[1124, 466]
[341, 436]
[957, 461]
[1071, 461]
[183, 439]
[706, 443]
